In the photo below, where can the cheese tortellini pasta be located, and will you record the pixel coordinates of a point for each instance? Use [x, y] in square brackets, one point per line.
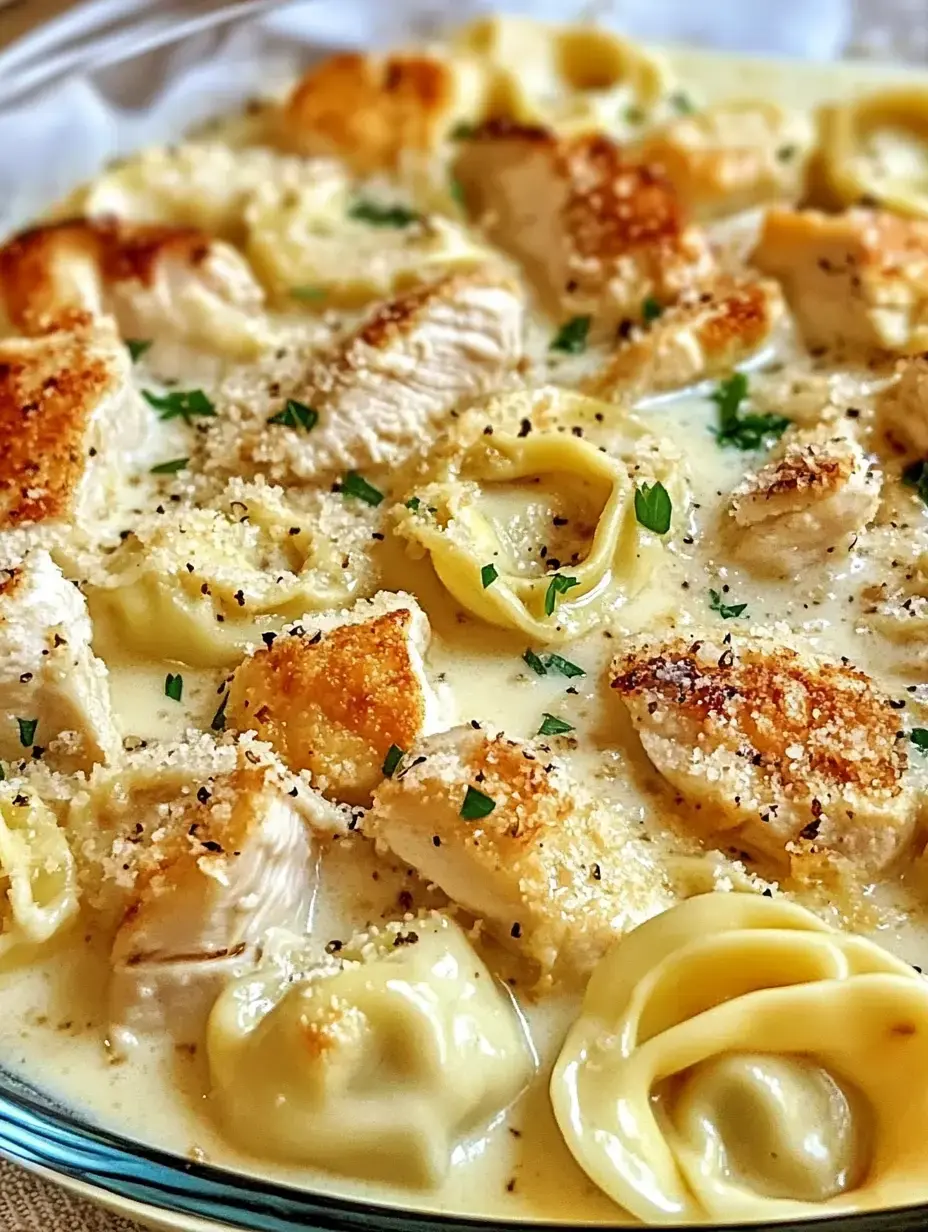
[537, 530]
[738, 1059]
[373, 1064]
[200, 585]
[320, 238]
[38, 881]
[875, 149]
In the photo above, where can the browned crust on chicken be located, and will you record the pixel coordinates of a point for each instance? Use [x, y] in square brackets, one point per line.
[808, 472]
[396, 318]
[47, 399]
[792, 715]
[10, 581]
[334, 703]
[369, 109]
[36, 298]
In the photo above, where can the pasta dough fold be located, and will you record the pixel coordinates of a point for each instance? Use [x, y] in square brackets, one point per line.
[732, 1024]
[37, 872]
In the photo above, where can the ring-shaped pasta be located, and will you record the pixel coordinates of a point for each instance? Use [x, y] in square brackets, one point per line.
[875, 149]
[640, 1087]
[37, 872]
[446, 520]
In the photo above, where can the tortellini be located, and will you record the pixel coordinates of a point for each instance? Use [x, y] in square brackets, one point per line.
[537, 531]
[319, 238]
[572, 75]
[738, 1059]
[200, 585]
[375, 1064]
[875, 148]
[37, 873]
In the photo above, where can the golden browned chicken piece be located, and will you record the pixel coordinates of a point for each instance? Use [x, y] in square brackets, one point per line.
[338, 694]
[500, 826]
[709, 331]
[596, 234]
[772, 745]
[858, 279]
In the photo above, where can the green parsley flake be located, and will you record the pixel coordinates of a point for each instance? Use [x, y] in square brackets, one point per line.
[174, 686]
[308, 295]
[553, 726]
[393, 758]
[476, 805]
[535, 663]
[356, 485]
[218, 721]
[2, 773]
[296, 415]
[137, 347]
[558, 585]
[27, 731]
[682, 102]
[634, 115]
[651, 309]
[456, 191]
[170, 468]
[653, 507]
[462, 131]
[727, 611]
[919, 737]
[916, 476]
[383, 215]
[488, 575]
[413, 503]
[739, 431]
[184, 404]
[563, 667]
[571, 338]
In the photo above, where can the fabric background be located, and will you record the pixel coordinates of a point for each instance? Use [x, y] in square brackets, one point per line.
[817, 29]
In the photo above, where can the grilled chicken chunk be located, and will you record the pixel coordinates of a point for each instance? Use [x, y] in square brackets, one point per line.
[858, 279]
[384, 394]
[375, 111]
[809, 502]
[776, 748]
[68, 419]
[156, 281]
[196, 850]
[335, 695]
[596, 234]
[903, 407]
[731, 156]
[705, 334]
[502, 829]
[53, 689]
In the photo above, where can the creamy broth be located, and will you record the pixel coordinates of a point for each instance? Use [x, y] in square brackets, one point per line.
[56, 1025]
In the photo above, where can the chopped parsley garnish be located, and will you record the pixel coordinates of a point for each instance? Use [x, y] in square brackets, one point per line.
[296, 415]
[392, 760]
[919, 737]
[634, 115]
[916, 476]
[383, 215]
[413, 503]
[488, 575]
[185, 404]
[551, 725]
[571, 338]
[551, 663]
[682, 102]
[651, 309]
[174, 686]
[786, 153]
[218, 721]
[309, 295]
[563, 667]
[653, 507]
[456, 191]
[137, 347]
[476, 805]
[356, 485]
[743, 431]
[170, 468]
[535, 663]
[462, 131]
[27, 731]
[727, 611]
[2, 773]
[558, 585]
